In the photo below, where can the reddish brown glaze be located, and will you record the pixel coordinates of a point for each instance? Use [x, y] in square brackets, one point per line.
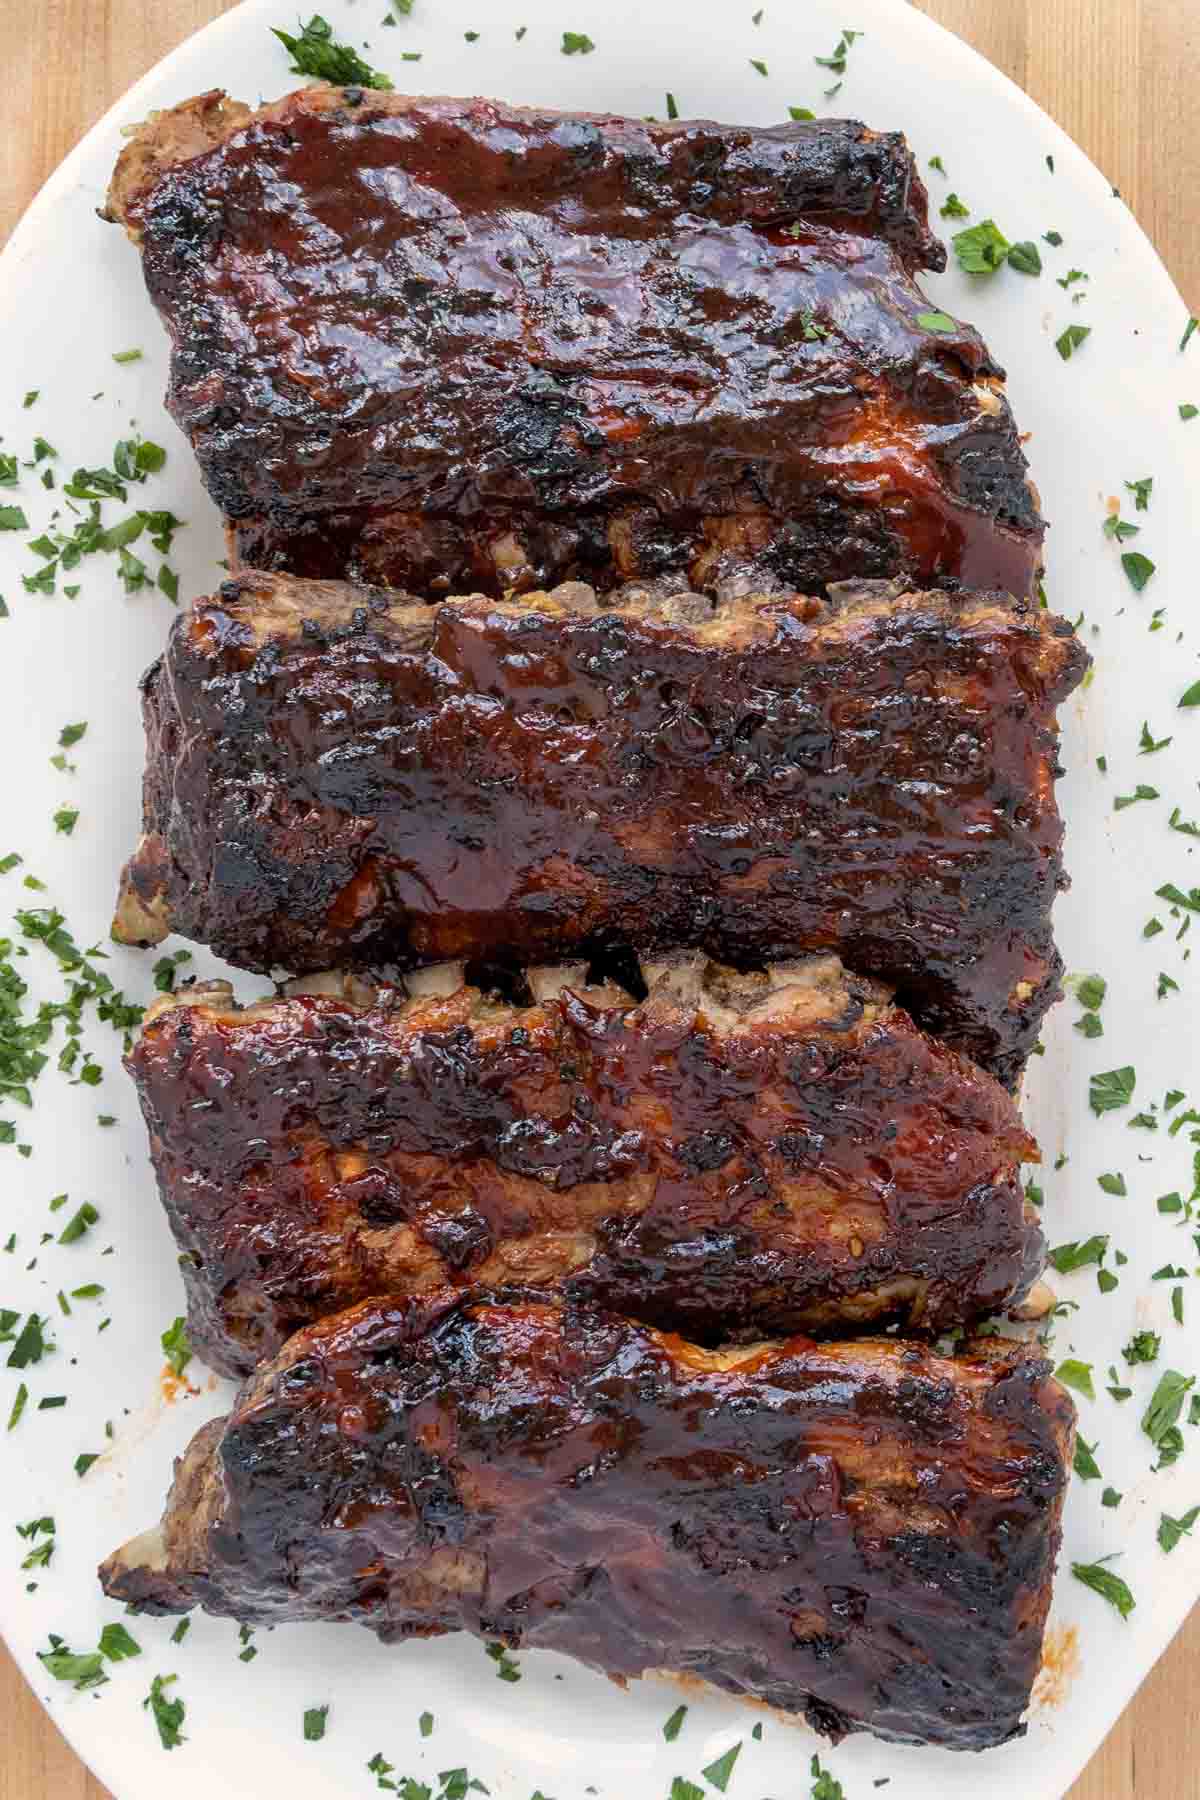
[450, 343]
[738, 1155]
[334, 777]
[864, 1533]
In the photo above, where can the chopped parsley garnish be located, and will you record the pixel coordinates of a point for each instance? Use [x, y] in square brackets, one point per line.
[84, 1462]
[1117, 527]
[168, 1713]
[953, 208]
[39, 1556]
[425, 1722]
[1089, 990]
[981, 249]
[164, 970]
[317, 52]
[672, 108]
[685, 1790]
[936, 321]
[674, 1724]
[31, 1345]
[1160, 1421]
[1187, 410]
[82, 1221]
[1143, 1347]
[1190, 901]
[1102, 1581]
[1025, 258]
[127, 356]
[1071, 339]
[1171, 1530]
[1141, 492]
[1111, 1089]
[176, 1348]
[1138, 569]
[1148, 743]
[801, 112]
[85, 1670]
[1113, 1184]
[507, 1668]
[837, 61]
[181, 1631]
[1110, 1497]
[756, 64]
[824, 1786]
[717, 1773]
[1068, 1257]
[117, 1645]
[1187, 332]
[576, 43]
[314, 1723]
[1077, 1375]
[1053, 237]
[66, 819]
[1086, 1466]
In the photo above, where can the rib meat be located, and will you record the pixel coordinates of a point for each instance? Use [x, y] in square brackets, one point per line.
[451, 344]
[741, 1153]
[335, 777]
[864, 1533]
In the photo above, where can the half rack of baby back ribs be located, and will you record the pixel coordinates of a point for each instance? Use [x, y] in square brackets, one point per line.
[863, 1532]
[452, 344]
[741, 1153]
[336, 777]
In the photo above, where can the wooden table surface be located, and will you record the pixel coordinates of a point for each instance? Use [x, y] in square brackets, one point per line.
[1121, 76]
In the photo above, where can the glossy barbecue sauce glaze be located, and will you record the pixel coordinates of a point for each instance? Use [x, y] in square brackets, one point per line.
[529, 781]
[813, 1164]
[442, 344]
[863, 1533]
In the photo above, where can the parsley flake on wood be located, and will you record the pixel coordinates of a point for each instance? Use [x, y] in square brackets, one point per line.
[1110, 1587]
[168, 1712]
[317, 52]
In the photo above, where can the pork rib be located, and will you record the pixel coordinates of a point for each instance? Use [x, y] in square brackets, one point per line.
[451, 344]
[864, 1533]
[335, 777]
[740, 1154]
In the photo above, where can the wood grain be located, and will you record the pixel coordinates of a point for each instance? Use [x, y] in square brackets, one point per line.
[1121, 76]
